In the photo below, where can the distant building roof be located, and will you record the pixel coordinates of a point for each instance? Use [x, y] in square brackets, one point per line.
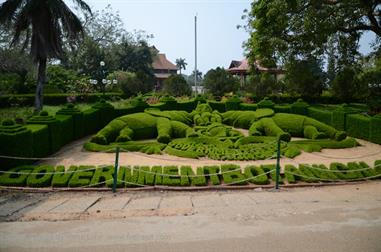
[243, 67]
[161, 63]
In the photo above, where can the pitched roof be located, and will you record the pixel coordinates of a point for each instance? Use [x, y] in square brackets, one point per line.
[243, 67]
[161, 63]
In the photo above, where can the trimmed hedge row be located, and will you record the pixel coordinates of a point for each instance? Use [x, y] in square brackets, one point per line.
[226, 174]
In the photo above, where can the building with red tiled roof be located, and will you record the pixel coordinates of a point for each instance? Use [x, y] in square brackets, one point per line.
[162, 68]
[242, 69]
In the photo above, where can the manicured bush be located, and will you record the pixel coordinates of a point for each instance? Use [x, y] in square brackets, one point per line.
[120, 183]
[248, 106]
[40, 135]
[312, 133]
[168, 103]
[359, 166]
[131, 176]
[233, 103]
[377, 166]
[81, 177]
[307, 174]
[375, 129]
[232, 175]
[43, 179]
[267, 126]
[145, 177]
[187, 154]
[291, 174]
[323, 173]
[164, 130]
[106, 112]
[158, 179]
[211, 172]
[15, 141]
[266, 103]
[323, 116]
[188, 176]
[102, 174]
[62, 178]
[78, 119]
[256, 175]
[175, 115]
[358, 126]
[282, 109]
[300, 107]
[219, 106]
[174, 179]
[14, 179]
[91, 121]
[344, 172]
[67, 128]
[54, 125]
[271, 167]
[292, 151]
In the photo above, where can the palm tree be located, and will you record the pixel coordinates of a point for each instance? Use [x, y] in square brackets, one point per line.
[42, 24]
[181, 64]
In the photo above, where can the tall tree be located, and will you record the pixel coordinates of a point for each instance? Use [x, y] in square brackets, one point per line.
[219, 81]
[44, 23]
[181, 64]
[280, 29]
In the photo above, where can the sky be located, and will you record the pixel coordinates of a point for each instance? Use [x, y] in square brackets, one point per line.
[172, 24]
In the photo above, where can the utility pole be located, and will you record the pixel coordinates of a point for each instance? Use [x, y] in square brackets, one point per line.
[195, 53]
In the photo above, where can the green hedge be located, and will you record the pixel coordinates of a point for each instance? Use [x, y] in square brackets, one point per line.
[106, 112]
[54, 126]
[55, 99]
[78, 119]
[230, 174]
[282, 108]
[233, 103]
[219, 106]
[41, 176]
[91, 121]
[15, 140]
[67, 128]
[358, 126]
[323, 116]
[299, 107]
[375, 129]
[61, 177]
[40, 135]
[248, 106]
[82, 176]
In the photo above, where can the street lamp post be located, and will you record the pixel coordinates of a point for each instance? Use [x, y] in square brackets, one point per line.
[102, 78]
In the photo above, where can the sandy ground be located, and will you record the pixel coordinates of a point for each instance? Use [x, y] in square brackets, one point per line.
[73, 154]
[336, 218]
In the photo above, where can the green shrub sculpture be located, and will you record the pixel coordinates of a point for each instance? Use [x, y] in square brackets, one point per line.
[217, 175]
[208, 133]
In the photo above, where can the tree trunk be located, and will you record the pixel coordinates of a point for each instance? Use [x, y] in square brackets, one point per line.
[41, 79]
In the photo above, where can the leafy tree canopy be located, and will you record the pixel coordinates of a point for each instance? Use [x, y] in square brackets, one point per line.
[218, 81]
[176, 85]
[280, 29]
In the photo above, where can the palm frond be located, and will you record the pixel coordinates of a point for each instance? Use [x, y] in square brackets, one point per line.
[8, 10]
[83, 5]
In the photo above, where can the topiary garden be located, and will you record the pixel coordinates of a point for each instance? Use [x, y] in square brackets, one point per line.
[205, 132]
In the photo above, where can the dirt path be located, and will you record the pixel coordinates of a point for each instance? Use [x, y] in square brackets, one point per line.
[73, 154]
[337, 218]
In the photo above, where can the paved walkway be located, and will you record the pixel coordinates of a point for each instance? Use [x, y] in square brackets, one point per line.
[337, 218]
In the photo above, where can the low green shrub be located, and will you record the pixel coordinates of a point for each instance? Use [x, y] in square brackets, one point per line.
[256, 175]
[78, 119]
[375, 129]
[312, 133]
[292, 151]
[180, 153]
[158, 179]
[106, 112]
[43, 179]
[291, 174]
[307, 174]
[266, 103]
[211, 172]
[300, 107]
[131, 176]
[282, 109]
[248, 106]
[40, 135]
[82, 176]
[62, 178]
[358, 126]
[12, 179]
[145, 177]
[101, 175]
[54, 125]
[67, 128]
[174, 179]
[323, 116]
[232, 175]
[120, 182]
[377, 166]
[344, 172]
[219, 106]
[91, 121]
[188, 177]
[271, 168]
[233, 103]
[16, 140]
